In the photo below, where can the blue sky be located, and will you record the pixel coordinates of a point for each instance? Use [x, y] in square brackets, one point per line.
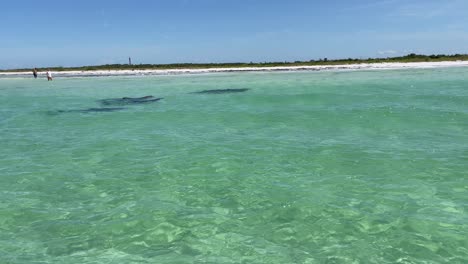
[84, 32]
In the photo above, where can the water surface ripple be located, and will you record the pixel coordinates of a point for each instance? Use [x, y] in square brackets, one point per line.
[306, 167]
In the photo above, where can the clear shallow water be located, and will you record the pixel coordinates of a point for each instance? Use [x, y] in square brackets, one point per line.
[328, 167]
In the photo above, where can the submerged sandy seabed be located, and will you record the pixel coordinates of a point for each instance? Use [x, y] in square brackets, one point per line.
[361, 66]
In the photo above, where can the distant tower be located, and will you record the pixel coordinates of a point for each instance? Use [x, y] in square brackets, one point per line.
[129, 61]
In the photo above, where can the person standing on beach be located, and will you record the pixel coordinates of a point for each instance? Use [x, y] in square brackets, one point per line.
[49, 75]
[35, 73]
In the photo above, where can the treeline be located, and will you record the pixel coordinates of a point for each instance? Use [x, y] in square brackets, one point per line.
[323, 61]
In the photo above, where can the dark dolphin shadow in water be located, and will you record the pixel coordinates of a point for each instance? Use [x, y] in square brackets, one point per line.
[89, 110]
[129, 100]
[222, 91]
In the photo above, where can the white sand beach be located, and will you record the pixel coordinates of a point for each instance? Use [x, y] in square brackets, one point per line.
[361, 66]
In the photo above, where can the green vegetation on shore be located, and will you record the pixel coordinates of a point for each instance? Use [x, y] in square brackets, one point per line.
[408, 58]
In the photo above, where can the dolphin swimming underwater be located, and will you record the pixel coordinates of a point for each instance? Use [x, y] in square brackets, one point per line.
[222, 91]
[129, 100]
[110, 102]
[91, 110]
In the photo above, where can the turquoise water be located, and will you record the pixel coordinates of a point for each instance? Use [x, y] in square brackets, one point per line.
[305, 167]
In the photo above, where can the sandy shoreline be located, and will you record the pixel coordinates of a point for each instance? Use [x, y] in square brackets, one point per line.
[362, 66]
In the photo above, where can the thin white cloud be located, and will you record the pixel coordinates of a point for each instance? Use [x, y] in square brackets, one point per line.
[387, 52]
[430, 9]
[413, 9]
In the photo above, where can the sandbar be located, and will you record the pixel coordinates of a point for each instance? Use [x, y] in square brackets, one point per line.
[140, 72]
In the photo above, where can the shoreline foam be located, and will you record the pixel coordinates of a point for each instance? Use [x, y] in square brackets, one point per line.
[361, 66]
